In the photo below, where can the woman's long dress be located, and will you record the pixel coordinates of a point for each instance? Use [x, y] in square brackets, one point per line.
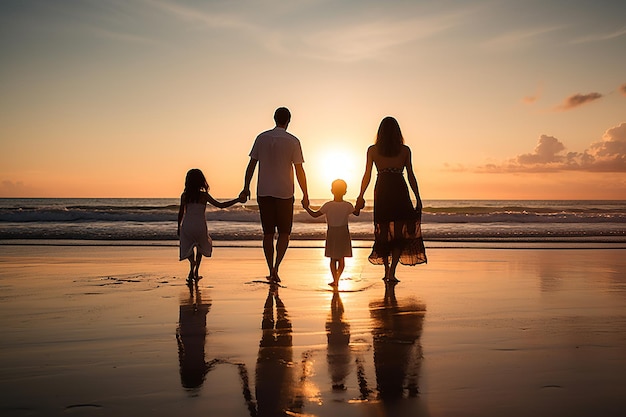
[396, 223]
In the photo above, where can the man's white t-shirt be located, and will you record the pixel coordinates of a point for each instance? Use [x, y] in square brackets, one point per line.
[277, 151]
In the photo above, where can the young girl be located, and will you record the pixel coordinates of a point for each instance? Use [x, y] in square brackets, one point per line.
[192, 228]
[338, 243]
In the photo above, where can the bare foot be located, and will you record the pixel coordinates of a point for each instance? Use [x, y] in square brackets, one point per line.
[274, 276]
[333, 284]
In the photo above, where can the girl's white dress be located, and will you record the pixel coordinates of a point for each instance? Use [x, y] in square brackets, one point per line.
[338, 241]
[194, 232]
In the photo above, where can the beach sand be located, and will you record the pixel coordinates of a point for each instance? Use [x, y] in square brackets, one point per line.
[114, 331]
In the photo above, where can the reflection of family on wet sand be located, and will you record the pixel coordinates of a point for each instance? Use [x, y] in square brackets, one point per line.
[281, 385]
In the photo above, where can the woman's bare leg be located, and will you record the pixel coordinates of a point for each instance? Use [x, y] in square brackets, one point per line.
[395, 257]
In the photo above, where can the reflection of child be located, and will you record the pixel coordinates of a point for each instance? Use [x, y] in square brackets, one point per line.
[192, 228]
[338, 243]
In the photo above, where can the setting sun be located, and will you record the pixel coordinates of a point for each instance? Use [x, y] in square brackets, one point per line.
[333, 164]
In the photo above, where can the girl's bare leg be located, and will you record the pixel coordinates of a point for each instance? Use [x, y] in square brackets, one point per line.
[197, 268]
[191, 267]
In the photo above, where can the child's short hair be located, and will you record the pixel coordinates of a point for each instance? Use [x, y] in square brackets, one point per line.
[339, 186]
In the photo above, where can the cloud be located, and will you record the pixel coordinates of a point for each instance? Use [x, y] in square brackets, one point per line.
[534, 97]
[601, 37]
[546, 152]
[622, 89]
[577, 100]
[346, 35]
[605, 155]
[518, 38]
[9, 188]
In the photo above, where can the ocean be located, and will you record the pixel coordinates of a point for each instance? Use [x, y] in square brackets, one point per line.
[152, 221]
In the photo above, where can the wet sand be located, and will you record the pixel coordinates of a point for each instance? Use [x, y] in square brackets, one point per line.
[114, 331]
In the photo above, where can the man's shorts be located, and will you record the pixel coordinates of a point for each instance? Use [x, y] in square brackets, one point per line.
[276, 214]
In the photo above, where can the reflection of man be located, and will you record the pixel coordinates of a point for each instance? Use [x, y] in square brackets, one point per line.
[277, 153]
[190, 335]
[274, 371]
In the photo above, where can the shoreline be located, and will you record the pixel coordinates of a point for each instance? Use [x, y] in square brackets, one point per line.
[573, 243]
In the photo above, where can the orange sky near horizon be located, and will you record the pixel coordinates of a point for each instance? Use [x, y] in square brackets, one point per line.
[497, 99]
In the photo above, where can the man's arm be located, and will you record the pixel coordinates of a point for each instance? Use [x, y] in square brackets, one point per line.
[245, 193]
[301, 176]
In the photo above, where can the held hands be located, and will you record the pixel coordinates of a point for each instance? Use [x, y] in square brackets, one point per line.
[305, 202]
[360, 203]
[243, 196]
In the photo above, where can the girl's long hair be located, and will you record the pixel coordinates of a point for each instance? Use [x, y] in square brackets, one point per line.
[195, 185]
[389, 138]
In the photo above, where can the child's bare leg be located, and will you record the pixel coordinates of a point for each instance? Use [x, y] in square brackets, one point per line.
[191, 266]
[198, 260]
[333, 271]
[341, 264]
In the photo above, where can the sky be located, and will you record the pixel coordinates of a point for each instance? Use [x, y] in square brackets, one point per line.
[509, 99]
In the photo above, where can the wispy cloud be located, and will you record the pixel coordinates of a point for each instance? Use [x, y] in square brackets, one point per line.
[577, 100]
[341, 36]
[605, 155]
[362, 40]
[601, 36]
[518, 38]
[212, 19]
[530, 99]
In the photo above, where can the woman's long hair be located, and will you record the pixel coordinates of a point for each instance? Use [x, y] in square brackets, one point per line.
[389, 138]
[195, 185]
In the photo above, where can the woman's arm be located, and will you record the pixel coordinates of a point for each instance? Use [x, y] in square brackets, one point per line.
[367, 176]
[412, 180]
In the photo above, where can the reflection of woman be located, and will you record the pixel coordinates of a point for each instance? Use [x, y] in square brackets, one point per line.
[396, 329]
[338, 333]
[274, 369]
[397, 225]
[190, 334]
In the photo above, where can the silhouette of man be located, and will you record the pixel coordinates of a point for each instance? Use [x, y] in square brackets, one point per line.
[277, 153]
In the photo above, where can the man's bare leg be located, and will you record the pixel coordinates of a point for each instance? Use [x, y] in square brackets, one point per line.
[268, 249]
[281, 248]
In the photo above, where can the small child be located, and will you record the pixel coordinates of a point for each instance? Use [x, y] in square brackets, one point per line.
[192, 227]
[338, 242]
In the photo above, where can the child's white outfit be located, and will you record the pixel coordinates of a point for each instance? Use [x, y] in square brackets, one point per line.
[338, 241]
[194, 231]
